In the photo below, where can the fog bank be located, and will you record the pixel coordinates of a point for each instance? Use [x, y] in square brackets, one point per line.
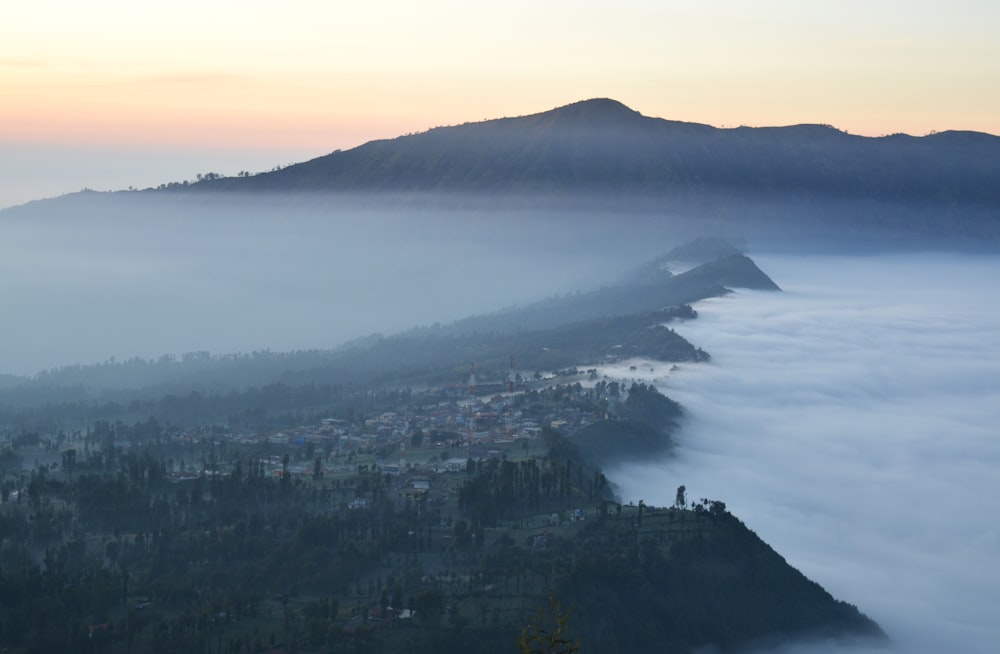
[124, 275]
[852, 423]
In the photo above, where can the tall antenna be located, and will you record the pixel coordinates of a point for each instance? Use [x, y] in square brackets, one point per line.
[471, 415]
[510, 398]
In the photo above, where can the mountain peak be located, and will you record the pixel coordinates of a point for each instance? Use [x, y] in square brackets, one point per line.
[592, 112]
[598, 106]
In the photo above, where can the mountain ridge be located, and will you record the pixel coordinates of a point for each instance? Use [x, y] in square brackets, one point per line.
[603, 144]
[533, 326]
[807, 183]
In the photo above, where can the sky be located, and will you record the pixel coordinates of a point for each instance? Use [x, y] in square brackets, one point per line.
[111, 94]
[851, 422]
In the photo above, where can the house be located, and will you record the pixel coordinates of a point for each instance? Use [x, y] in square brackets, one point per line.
[177, 477]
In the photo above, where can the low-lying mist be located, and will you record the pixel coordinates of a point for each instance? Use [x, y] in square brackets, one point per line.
[90, 276]
[851, 421]
[95, 276]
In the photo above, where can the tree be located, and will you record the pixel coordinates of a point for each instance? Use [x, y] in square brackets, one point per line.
[681, 500]
[549, 632]
[462, 536]
[429, 605]
[69, 460]
[417, 439]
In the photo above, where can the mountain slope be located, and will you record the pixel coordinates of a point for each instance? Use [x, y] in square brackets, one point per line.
[601, 144]
[720, 589]
[637, 294]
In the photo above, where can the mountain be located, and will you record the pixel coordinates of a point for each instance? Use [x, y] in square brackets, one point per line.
[602, 145]
[600, 161]
[701, 250]
[638, 292]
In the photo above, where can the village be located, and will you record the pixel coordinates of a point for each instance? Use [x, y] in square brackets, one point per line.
[420, 495]
[430, 432]
[435, 432]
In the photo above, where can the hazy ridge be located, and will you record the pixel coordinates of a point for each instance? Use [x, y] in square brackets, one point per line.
[772, 184]
[617, 320]
[603, 145]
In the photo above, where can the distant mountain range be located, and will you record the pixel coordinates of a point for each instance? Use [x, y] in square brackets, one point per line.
[786, 187]
[602, 145]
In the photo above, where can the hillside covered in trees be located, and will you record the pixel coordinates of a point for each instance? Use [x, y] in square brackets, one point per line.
[119, 551]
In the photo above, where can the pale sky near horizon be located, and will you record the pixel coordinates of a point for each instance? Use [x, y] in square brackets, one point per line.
[109, 93]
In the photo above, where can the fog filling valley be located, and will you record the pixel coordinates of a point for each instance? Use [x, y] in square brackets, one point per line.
[851, 421]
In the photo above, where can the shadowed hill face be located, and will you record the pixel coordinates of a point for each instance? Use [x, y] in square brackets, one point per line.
[736, 270]
[756, 599]
[601, 144]
[699, 251]
[589, 142]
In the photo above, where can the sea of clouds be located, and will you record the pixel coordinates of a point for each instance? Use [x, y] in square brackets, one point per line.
[853, 422]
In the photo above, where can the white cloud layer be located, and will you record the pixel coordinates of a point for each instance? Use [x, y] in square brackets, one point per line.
[852, 422]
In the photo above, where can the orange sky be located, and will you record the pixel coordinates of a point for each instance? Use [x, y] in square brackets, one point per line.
[311, 77]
